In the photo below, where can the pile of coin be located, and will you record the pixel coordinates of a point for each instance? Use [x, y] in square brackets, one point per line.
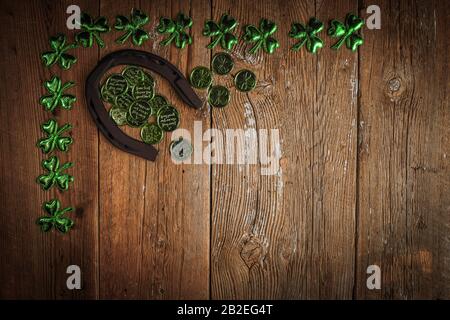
[133, 100]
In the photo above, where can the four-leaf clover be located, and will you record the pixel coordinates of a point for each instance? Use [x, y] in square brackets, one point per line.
[55, 217]
[54, 138]
[262, 36]
[91, 30]
[221, 33]
[176, 30]
[56, 96]
[59, 53]
[132, 27]
[55, 174]
[307, 34]
[347, 32]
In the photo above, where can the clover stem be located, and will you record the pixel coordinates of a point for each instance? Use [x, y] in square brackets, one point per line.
[124, 37]
[256, 46]
[215, 41]
[66, 127]
[169, 39]
[299, 44]
[341, 41]
[100, 42]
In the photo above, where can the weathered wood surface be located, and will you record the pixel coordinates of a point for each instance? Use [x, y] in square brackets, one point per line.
[364, 175]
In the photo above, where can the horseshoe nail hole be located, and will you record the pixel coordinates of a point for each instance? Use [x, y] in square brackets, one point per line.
[394, 84]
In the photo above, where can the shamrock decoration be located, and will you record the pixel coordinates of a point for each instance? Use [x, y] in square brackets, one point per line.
[175, 29]
[91, 30]
[262, 36]
[57, 97]
[133, 27]
[307, 34]
[55, 174]
[347, 33]
[59, 55]
[54, 139]
[55, 217]
[222, 32]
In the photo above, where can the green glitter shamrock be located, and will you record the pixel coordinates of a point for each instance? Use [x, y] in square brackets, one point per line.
[175, 29]
[59, 53]
[307, 34]
[133, 27]
[57, 97]
[221, 33]
[347, 33]
[261, 36]
[54, 138]
[91, 30]
[55, 174]
[55, 217]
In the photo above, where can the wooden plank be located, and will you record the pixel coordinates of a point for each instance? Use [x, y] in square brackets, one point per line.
[163, 228]
[175, 235]
[121, 196]
[334, 164]
[254, 242]
[403, 151]
[34, 264]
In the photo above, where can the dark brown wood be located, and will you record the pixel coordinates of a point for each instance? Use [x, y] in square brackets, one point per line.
[403, 152]
[363, 179]
[334, 162]
[33, 263]
[175, 238]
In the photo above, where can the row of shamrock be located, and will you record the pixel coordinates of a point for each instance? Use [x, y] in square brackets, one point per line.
[222, 33]
[55, 139]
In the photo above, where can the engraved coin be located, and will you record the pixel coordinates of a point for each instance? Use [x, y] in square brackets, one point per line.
[151, 133]
[124, 101]
[106, 95]
[143, 91]
[116, 84]
[201, 77]
[158, 102]
[222, 63]
[180, 149]
[148, 79]
[119, 115]
[218, 96]
[140, 110]
[168, 118]
[245, 80]
[132, 122]
[133, 75]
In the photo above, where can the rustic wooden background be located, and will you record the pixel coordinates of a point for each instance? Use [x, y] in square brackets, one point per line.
[364, 179]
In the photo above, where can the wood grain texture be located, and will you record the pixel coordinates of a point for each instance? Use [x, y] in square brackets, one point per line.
[403, 152]
[34, 264]
[254, 239]
[363, 179]
[334, 164]
[175, 247]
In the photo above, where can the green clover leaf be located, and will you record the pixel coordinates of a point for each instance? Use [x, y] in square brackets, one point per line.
[262, 37]
[59, 53]
[307, 34]
[347, 32]
[55, 174]
[222, 32]
[132, 27]
[175, 30]
[56, 96]
[91, 30]
[55, 217]
[54, 138]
